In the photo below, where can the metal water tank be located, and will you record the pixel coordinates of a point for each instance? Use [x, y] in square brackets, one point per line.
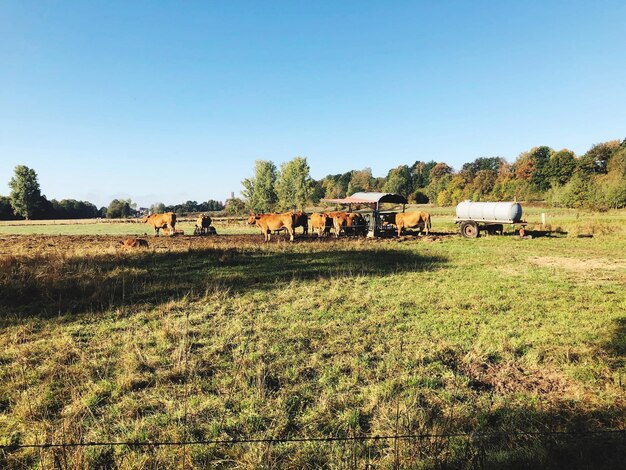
[502, 212]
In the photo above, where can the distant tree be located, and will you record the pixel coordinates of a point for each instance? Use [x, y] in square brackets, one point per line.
[294, 184]
[25, 192]
[6, 211]
[120, 208]
[614, 183]
[561, 167]
[419, 197]
[524, 167]
[532, 166]
[483, 183]
[378, 183]
[540, 178]
[332, 188]
[72, 209]
[157, 208]
[210, 205]
[601, 154]
[586, 165]
[317, 191]
[579, 192]
[259, 191]
[360, 180]
[469, 170]
[399, 181]
[421, 173]
[439, 171]
[235, 206]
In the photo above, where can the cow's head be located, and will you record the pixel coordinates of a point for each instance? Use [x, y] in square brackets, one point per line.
[252, 218]
[390, 218]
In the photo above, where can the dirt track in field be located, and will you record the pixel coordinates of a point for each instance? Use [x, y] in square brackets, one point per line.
[25, 244]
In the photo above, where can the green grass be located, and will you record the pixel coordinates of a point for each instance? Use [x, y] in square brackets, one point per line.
[202, 338]
[135, 229]
[572, 221]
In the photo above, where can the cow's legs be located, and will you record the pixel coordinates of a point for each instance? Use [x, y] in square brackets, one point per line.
[291, 230]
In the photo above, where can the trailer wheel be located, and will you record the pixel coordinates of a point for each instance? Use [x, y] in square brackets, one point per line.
[469, 229]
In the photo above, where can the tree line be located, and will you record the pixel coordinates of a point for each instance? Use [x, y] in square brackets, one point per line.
[595, 180]
[25, 201]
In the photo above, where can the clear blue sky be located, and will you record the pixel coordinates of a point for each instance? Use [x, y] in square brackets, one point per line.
[170, 101]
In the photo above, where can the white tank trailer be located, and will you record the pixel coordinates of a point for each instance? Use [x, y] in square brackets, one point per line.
[474, 217]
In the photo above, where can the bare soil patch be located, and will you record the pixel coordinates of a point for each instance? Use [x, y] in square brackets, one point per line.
[578, 264]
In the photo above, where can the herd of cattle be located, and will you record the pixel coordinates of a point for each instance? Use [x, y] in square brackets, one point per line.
[321, 223]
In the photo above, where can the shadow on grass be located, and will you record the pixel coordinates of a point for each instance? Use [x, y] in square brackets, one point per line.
[565, 437]
[47, 285]
[616, 346]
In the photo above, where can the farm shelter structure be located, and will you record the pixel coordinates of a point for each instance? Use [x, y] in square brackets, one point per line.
[373, 200]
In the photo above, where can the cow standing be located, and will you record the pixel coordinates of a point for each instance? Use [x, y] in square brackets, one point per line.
[321, 223]
[161, 221]
[340, 221]
[404, 220]
[301, 219]
[269, 222]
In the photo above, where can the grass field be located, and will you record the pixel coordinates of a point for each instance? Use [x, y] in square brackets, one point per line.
[225, 337]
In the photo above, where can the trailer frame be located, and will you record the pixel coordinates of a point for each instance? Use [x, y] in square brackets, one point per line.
[471, 228]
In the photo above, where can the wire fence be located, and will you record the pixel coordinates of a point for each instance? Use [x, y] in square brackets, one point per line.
[271, 440]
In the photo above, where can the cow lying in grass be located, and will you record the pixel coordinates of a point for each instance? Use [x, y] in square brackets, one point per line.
[269, 222]
[134, 243]
[203, 225]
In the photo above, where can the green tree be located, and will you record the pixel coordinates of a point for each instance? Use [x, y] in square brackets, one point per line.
[25, 192]
[483, 183]
[540, 178]
[580, 191]
[235, 206]
[332, 188]
[440, 176]
[469, 170]
[360, 180]
[561, 167]
[259, 191]
[600, 155]
[614, 183]
[157, 208]
[120, 208]
[421, 173]
[294, 185]
[399, 181]
[439, 171]
[317, 191]
[6, 211]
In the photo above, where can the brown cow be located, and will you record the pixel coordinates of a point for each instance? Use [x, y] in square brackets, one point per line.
[161, 221]
[131, 243]
[356, 224]
[321, 222]
[404, 220]
[340, 221]
[203, 222]
[269, 222]
[301, 219]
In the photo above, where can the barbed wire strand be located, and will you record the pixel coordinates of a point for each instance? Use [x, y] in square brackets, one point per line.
[307, 439]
